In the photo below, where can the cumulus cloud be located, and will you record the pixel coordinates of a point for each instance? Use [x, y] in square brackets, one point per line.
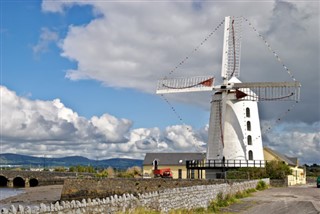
[296, 140]
[49, 127]
[133, 44]
[36, 121]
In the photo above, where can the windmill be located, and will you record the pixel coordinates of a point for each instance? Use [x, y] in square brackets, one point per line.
[234, 137]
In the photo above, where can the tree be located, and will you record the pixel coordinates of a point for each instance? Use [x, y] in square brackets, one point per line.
[110, 171]
[60, 169]
[277, 170]
[80, 168]
[134, 171]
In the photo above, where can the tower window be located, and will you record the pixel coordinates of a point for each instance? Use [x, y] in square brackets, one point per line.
[250, 155]
[248, 126]
[249, 140]
[247, 112]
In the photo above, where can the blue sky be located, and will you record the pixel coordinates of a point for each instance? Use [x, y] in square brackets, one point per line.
[101, 61]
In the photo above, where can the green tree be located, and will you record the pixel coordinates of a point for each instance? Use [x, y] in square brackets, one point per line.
[102, 174]
[277, 170]
[80, 168]
[60, 169]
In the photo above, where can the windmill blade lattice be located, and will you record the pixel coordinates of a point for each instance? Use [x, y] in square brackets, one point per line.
[189, 84]
[268, 91]
[231, 48]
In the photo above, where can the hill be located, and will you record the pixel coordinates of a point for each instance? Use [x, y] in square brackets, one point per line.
[30, 161]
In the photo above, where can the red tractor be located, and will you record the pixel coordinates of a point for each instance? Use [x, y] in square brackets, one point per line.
[162, 173]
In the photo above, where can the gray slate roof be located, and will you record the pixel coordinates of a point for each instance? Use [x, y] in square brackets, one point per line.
[293, 161]
[172, 159]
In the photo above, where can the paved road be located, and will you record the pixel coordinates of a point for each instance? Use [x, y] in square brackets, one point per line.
[287, 200]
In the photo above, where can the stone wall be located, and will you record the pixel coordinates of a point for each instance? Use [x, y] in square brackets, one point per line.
[162, 200]
[311, 180]
[279, 182]
[76, 189]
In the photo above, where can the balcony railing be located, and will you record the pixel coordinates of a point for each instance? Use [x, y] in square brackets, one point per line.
[209, 164]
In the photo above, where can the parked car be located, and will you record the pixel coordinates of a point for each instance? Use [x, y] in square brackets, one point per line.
[318, 182]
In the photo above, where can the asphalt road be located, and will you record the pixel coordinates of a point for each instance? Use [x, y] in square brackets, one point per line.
[286, 200]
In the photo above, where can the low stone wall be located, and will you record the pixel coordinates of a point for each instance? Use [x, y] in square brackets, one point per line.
[279, 182]
[76, 189]
[52, 181]
[162, 200]
[311, 180]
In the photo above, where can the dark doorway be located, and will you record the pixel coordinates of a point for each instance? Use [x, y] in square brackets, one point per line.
[179, 173]
[33, 182]
[3, 181]
[19, 182]
[155, 164]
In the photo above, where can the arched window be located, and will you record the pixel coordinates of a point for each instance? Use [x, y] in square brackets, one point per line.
[248, 126]
[250, 155]
[247, 112]
[249, 140]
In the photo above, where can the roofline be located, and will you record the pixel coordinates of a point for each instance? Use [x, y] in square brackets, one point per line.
[277, 156]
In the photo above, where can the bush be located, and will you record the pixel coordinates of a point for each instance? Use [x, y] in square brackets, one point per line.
[80, 168]
[261, 185]
[60, 169]
[247, 173]
[249, 191]
[102, 174]
[277, 170]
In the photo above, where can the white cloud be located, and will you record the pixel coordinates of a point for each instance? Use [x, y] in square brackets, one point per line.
[133, 44]
[113, 128]
[49, 127]
[26, 120]
[296, 140]
[183, 138]
[46, 38]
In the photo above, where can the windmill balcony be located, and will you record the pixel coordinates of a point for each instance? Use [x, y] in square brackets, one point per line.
[218, 163]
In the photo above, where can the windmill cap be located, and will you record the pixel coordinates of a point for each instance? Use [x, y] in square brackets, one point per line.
[234, 80]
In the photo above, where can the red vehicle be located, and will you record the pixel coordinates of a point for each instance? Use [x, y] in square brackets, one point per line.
[162, 173]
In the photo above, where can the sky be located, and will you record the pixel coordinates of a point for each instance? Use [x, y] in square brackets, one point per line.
[79, 77]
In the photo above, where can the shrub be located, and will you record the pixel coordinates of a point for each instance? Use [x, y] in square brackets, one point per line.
[277, 170]
[261, 185]
[102, 174]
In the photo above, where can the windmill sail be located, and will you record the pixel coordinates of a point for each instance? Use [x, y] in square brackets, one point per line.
[231, 48]
[268, 91]
[189, 84]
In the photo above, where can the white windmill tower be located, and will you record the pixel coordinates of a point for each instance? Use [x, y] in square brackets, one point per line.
[234, 126]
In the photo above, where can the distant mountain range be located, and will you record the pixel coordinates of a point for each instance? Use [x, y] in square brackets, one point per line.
[30, 161]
